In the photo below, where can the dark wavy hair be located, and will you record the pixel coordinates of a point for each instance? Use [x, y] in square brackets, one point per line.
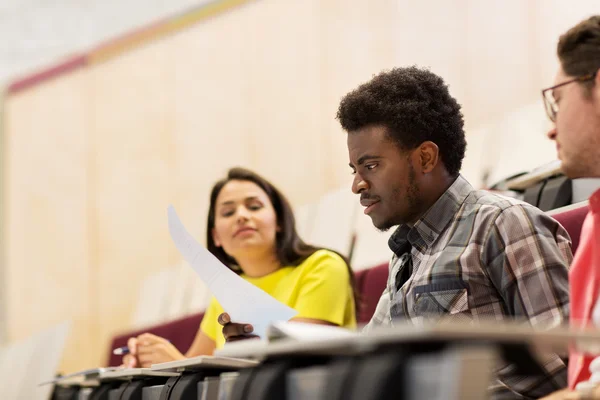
[291, 249]
[415, 106]
[579, 49]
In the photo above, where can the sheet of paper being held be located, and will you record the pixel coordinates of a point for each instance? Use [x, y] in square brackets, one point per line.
[244, 302]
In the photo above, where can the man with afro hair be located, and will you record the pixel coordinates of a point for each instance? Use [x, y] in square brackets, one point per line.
[460, 254]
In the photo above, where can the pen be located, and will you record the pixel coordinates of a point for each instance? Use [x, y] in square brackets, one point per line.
[121, 351]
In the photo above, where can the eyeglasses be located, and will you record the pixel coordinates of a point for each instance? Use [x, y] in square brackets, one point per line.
[550, 101]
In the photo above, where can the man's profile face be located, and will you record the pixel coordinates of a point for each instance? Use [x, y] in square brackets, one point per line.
[577, 128]
[383, 176]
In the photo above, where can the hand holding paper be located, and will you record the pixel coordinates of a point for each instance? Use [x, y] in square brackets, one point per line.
[243, 301]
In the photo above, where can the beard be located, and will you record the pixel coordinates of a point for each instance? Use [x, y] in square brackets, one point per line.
[410, 195]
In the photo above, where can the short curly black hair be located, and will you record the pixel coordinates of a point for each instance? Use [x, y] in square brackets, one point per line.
[415, 105]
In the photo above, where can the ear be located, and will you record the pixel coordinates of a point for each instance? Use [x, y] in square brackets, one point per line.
[215, 237]
[429, 156]
[596, 87]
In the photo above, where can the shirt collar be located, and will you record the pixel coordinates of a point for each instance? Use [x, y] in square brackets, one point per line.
[426, 230]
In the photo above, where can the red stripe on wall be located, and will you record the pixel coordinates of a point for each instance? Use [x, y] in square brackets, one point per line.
[47, 74]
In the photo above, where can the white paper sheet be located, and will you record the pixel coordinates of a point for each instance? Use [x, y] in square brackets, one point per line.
[244, 302]
[305, 331]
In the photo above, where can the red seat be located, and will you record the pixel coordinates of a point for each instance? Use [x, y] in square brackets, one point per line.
[370, 284]
[572, 220]
[181, 332]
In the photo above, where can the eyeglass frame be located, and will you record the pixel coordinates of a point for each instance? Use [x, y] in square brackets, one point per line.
[550, 103]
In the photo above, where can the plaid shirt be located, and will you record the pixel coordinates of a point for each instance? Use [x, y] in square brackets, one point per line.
[476, 255]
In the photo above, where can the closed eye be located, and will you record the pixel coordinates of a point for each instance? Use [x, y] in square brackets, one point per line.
[227, 213]
[255, 206]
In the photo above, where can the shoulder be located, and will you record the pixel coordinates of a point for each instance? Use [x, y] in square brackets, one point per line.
[492, 202]
[511, 222]
[324, 260]
[499, 210]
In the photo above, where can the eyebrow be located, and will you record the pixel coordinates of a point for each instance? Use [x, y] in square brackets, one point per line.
[361, 160]
[230, 202]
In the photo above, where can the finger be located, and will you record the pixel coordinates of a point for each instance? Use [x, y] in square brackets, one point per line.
[132, 345]
[243, 337]
[233, 329]
[130, 361]
[223, 319]
[150, 348]
[148, 358]
[149, 338]
[146, 363]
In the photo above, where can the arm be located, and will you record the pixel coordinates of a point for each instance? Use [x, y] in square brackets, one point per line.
[526, 255]
[148, 349]
[381, 316]
[202, 345]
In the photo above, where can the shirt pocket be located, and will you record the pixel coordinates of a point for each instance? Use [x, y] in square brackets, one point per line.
[442, 298]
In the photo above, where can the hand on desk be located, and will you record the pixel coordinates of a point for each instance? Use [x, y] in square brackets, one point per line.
[234, 331]
[148, 349]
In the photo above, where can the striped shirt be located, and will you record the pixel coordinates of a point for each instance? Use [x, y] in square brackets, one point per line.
[475, 255]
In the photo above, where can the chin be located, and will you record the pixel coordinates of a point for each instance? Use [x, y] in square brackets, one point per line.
[574, 172]
[382, 226]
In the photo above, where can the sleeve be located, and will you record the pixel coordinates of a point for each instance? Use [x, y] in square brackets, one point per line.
[209, 325]
[381, 315]
[325, 289]
[527, 254]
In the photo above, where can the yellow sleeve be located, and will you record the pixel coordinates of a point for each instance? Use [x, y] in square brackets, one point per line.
[325, 290]
[209, 325]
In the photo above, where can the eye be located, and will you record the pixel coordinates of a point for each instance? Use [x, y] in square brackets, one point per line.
[371, 166]
[227, 213]
[255, 206]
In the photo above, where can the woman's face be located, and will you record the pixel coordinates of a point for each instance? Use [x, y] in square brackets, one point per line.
[245, 221]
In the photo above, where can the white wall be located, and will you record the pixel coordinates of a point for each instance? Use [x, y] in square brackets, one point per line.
[39, 32]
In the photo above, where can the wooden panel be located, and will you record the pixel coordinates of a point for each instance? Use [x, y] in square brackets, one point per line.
[46, 228]
[289, 145]
[209, 115]
[132, 140]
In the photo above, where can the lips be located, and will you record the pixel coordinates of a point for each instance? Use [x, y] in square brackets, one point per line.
[368, 203]
[242, 230]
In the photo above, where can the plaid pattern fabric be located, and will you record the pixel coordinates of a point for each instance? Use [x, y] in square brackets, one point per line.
[476, 255]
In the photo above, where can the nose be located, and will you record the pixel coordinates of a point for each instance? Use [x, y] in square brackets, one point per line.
[242, 214]
[552, 133]
[359, 184]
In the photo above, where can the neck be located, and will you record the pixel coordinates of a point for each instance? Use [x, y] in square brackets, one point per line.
[438, 186]
[258, 265]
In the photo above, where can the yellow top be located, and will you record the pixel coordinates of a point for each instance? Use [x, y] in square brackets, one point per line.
[319, 288]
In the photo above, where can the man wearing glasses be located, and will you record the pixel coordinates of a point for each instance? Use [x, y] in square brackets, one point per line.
[573, 105]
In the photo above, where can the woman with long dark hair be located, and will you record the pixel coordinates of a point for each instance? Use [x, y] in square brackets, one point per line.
[251, 228]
